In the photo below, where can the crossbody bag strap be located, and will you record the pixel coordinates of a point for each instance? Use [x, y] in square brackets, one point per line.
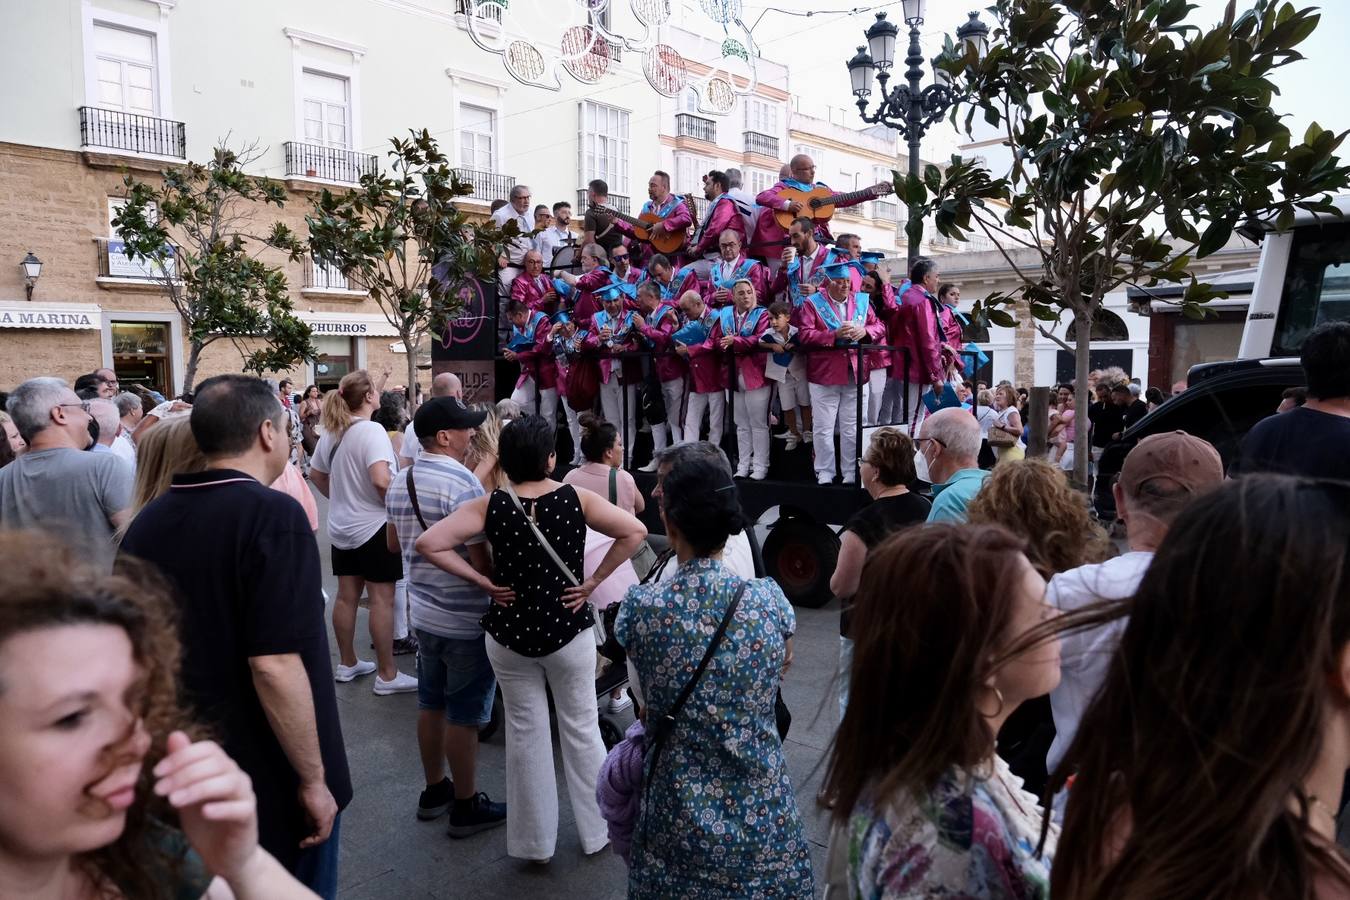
[412, 497]
[539, 536]
[665, 726]
[614, 485]
[662, 560]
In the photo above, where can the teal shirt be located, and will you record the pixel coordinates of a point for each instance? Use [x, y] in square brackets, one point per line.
[951, 498]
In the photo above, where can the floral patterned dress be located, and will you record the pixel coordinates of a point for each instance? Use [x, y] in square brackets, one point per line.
[719, 818]
[970, 837]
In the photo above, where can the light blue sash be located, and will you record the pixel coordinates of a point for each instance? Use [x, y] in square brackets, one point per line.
[740, 272]
[523, 338]
[827, 314]
[665, 210]
[726, 317]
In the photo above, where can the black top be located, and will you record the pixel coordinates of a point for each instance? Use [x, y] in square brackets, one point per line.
[607, 235]
[1131, 414]
[1105, 418]
[536, 623]
[877, 521]
[1299, 442]
[246, 568]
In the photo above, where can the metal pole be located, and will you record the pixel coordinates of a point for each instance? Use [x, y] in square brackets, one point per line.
[861, 378]
[914, 123]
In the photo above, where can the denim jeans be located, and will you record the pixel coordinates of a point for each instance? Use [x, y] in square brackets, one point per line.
[317, 867]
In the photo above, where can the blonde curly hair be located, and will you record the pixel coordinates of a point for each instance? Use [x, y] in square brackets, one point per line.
[1033, 499]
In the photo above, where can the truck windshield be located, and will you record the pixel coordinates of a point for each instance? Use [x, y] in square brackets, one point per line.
[1316, 285]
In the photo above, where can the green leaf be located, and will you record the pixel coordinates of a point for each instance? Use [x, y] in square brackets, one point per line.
[1001, 318]
[1125, 109]
[1215, 237]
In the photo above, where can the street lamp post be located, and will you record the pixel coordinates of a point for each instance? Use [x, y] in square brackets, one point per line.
[909, 108]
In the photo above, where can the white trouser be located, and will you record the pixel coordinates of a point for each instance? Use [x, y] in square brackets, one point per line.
[611, 401]
[531, 788]
[876, 387]
[831, 403]
[401, 605]
[716, 406]
[526, 395]
[892, 403]
[671, 431]
[751, 409]
[574, 428]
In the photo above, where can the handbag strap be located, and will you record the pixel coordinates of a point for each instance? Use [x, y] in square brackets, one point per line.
[663, 728]
[539, 536]
[412, 497]
[614, 485]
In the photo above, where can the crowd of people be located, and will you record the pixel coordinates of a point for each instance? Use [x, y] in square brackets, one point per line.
[1040, 714]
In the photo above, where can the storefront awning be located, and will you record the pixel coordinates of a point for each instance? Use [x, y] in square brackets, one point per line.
[64, 316]
[334, 324]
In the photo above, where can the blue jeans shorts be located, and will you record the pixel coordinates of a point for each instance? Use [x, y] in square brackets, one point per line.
[454, 674]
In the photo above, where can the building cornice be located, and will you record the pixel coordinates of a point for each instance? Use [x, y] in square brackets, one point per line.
[298, 36]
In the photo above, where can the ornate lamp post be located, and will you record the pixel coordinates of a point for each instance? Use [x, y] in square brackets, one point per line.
[909, 108]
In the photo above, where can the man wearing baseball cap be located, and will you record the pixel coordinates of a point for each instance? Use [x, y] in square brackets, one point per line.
[455, 684]
[1161, 476]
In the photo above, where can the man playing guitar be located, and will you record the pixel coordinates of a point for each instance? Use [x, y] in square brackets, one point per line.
[770, 236]
[674, 214]
[723, 215]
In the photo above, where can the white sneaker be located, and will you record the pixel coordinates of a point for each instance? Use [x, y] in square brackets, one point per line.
[758, 476]
[792, 442]
[403, 683]
[824, 479]
[742, 473]
[784, 436]
[807, 437]
[347, 673]
[649, 467]
[619, 704]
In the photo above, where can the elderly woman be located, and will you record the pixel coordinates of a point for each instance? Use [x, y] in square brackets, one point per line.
[539, 629]
[718, 817]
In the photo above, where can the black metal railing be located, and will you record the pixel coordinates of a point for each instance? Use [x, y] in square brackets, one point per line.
[488, 10]
[328, 163]
[113, 262]
[701, 205]
[487, 186]
[618, 201]
[763, 144]
[696, 127]
[113, 129]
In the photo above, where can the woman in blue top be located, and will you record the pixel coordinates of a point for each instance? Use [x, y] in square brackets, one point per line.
[719, 817]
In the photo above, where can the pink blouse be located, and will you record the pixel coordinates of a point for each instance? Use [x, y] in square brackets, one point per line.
[594, 476]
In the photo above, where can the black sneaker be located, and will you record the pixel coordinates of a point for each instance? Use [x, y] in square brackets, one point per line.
[435, 800]
[405, 645]
[476, 814]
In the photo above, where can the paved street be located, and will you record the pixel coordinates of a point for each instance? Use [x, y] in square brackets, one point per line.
[388, 854]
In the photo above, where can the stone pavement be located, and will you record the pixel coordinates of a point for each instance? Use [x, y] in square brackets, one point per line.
[387, 854]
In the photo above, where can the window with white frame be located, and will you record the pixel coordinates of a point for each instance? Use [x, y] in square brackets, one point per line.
[761, 181]
[325, 102]
[815, 153]
[689, 172]
[604, 145]
[115, 263]
[117, 204]
[761, 116]
[477, 142]
[689, 101]
[124, 70]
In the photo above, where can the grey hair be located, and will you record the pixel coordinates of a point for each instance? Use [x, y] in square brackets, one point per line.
[595, 251]
[109, 419]
[957, 430]
[127, 403]
[508, 409]
[919, 271]
[734, 177]
[686, 451]
[30, 405]
[516, 189]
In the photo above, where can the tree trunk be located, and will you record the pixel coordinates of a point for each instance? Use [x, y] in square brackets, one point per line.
[190, 372]
[410, 346]
[1082, 396]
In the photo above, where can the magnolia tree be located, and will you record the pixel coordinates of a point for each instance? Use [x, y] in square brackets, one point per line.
[1139, 141]
[197, 233]
[402, 237]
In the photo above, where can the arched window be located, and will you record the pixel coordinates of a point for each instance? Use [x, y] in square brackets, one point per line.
[1106, 326]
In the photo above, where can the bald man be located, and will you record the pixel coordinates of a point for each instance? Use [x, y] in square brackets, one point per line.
[674, 214]
[770, 238]
[446, 384]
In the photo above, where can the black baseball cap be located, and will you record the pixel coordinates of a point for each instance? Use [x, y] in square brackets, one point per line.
[445, 414]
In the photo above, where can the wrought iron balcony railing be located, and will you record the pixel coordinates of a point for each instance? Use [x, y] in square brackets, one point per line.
[618, 201]
[112, 129]
[763, 144]
[328, 163]
[687, 125]
[487, 186]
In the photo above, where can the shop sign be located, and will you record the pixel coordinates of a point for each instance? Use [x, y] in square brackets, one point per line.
[120, 265]
[51, 317]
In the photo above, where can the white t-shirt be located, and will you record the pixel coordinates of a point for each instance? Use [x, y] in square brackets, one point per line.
[123, 447]
[736, 556]
[355, 508]
[986, 417]
[1084, 656]
[412, 447]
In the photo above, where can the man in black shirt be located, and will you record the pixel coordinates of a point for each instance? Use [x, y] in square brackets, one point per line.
[256, 666]
[1312, 439]
[1129, 408]
[598, 228]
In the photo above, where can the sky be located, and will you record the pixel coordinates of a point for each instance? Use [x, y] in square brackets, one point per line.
[816, 49]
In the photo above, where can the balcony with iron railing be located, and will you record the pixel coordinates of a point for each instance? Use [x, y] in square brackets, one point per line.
[763, 144]
[487, 186]
[323, 278]
[328, 163]
[111, 129]
[617, 201]
[701, 205]
[697, 127]
[885, 210]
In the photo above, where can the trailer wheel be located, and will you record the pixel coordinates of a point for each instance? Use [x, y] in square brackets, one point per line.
[800, 554]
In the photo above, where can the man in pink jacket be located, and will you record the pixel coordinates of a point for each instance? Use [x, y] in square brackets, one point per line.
[736, 330]
[586, 286]
[832, 323]
[658, 325]
[614, 331]
[722, 216]
[732, 266]
[919, 333]
[675, 216]
[533, 288]
[769, 236]
[799, 276]
[707, 371]
[530, 345]
[671, 281]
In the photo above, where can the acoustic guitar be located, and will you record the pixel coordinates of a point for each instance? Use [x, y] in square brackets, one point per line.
[664, 241]
[818, 204]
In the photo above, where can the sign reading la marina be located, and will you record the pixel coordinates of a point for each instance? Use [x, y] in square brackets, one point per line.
[47, 318]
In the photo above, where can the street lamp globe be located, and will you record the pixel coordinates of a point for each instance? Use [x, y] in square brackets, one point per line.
[32, 266]
[861, 71]
[881, 42]
[975, 34]
[914, 11]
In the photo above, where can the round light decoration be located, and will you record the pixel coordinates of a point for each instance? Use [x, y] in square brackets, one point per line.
[666, 70]
[585, 55]
[723, 12]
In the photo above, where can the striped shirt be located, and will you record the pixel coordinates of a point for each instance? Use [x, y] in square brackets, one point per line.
[441, 603]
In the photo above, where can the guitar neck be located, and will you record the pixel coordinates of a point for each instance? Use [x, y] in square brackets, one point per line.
[631, 220]
[835, 199]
